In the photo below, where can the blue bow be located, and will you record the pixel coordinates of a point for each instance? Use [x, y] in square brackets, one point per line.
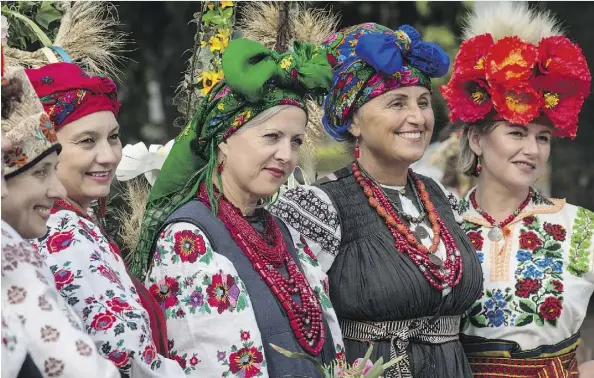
[388, 52]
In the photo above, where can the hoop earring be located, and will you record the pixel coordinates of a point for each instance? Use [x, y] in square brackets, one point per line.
[357, 152]
[478, 169]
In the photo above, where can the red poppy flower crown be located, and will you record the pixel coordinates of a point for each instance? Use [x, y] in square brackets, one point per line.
[502, 76]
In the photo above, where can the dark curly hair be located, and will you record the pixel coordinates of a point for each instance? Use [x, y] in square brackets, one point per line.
[12, 91]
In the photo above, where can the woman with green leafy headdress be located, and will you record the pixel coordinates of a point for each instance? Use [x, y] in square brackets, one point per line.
[228, 275]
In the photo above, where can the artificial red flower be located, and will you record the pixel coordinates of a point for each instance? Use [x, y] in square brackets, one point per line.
[470, 61]
[551, 308]
[476, 238]
[529, 240]
[510, 61]
[558, 56]
[518, 105]
[246, 361]
[527, 286]
[562, 101]
[557, 230]
[468, 99]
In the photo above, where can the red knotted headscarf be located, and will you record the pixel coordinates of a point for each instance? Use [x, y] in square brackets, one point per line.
[68, 93]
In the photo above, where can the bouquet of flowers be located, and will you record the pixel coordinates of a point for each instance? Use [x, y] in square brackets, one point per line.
[339, 368]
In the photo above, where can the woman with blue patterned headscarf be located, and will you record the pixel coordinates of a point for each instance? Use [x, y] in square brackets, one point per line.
[401, 271]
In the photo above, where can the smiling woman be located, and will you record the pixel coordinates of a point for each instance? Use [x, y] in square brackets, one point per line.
[121, 317]
[388, 239]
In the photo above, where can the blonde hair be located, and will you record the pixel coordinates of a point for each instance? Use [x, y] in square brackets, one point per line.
[468, 160]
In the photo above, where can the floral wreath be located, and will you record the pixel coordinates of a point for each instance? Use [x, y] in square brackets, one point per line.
[517, 81]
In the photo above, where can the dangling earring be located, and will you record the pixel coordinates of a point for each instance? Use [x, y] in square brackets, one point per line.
[357, 153]
[221, 167]
[478, 169]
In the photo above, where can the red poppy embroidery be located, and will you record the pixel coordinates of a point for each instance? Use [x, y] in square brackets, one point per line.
[59, 241]
[103, 321]
[245, 335]
[222, 292]
[165, 292]
[246, 361]
[63, 277]
[117, 305]
[118, 357]
[189, 245]
[149, 354]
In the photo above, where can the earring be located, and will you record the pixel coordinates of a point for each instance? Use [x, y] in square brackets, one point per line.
[357, 153]
[478, 169]
[221, 167]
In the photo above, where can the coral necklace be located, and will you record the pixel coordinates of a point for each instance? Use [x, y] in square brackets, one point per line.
[496, 233]
[267, 254]
[442, 275]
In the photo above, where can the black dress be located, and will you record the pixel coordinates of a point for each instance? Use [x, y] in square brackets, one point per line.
[369, 280]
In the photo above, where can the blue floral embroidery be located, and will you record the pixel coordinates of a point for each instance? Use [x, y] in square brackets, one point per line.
[523, 256]
[532, 272]
[481, 257]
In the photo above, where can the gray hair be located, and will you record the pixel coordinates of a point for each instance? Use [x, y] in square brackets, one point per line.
[468, 160]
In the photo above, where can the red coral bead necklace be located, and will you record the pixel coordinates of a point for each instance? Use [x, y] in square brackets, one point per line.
[442, 275]
[267, 253]
[496, 233]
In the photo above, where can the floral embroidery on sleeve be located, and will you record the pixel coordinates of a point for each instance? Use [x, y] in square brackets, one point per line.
[245, 361]
[94, 281]
[200, 290]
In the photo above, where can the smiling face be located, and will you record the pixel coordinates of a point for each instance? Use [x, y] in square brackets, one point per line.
[397, 126]
[513, 155]
[91, 151]
[258, 159]
[31, 195]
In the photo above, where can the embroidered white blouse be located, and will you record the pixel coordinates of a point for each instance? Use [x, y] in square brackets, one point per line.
[92, 277]
[538, 278]
[37, 321]
[210, 320]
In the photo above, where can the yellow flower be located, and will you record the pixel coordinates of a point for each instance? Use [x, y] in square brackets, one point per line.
[286, 62]
[224, 35]
[221, 107]
[202, 43]
[209, 80]
[215, 43]
[225, 4]
[210, 6]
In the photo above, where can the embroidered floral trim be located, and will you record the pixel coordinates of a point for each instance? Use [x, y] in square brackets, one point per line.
[245, 361]
[581, 243]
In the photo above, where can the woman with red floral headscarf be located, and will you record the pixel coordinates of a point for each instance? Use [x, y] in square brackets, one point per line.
[517, 83]
[124, 321]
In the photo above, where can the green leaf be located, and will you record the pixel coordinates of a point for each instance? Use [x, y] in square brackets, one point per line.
[228, 12]
[476, 309]
[38, 32]
[538, 320]
[479, 321]
[47, 14]
[527, 306]
[289, 354]
[523, 320]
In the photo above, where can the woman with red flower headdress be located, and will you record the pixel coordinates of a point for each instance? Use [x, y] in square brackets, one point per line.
[516, 83]
[116, 310]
